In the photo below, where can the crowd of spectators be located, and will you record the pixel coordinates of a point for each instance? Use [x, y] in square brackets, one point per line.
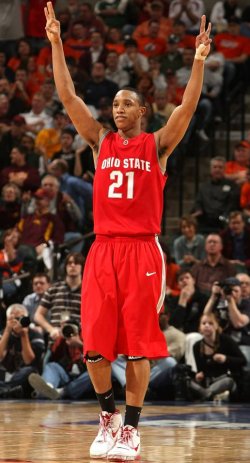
[46, 177]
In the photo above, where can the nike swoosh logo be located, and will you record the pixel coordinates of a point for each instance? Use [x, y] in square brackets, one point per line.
[148, 274]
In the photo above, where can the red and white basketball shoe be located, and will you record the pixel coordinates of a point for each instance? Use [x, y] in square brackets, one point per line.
[127, 447]
[109, 431]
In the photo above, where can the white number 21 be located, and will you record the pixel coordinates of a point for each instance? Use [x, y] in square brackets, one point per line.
[118, 178]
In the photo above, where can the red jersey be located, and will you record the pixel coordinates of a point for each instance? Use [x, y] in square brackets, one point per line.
[128, 186]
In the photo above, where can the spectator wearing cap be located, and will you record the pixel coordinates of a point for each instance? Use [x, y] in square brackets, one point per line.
[188, 11]
[67, 152]
[98, 86]
[114, 72]
[132, 61]
[233, 311]
[19, 172]
[172, 60]
[156, 12]
[41, 226]
[152, 44]
[236, 241]
[237, 168]
[11, 138]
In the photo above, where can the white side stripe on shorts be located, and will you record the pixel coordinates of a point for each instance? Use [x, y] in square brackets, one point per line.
[163, 278]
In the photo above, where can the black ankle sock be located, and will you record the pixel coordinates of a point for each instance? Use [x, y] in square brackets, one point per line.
[106, 401]
[132, 415]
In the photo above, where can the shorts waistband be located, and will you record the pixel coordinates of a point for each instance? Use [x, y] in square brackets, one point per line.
[125, 238]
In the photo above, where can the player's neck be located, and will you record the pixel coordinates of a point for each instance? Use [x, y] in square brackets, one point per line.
[129, 133]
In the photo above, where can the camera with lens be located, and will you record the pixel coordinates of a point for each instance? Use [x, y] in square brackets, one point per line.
[227, 287]
[24, 321]
[70, 329]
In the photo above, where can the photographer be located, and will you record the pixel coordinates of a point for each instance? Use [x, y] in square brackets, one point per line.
[21, 349]
[231, 309]
[64, 375]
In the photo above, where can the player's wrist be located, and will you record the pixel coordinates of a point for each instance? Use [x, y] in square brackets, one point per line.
[198, 54]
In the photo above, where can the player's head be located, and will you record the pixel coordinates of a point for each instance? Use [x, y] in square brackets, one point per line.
[128, 108]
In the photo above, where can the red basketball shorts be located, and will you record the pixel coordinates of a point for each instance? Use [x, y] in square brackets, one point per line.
[123, 291]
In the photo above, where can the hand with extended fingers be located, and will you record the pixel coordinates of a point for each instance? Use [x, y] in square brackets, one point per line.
[203, 40]
[52, 25]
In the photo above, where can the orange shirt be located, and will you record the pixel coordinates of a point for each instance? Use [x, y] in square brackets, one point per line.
[233, 167]
[75, 48]
[151, 47]
[232, 46]
[164, 32]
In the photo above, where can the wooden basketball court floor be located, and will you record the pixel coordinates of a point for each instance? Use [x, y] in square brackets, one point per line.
[57, 432]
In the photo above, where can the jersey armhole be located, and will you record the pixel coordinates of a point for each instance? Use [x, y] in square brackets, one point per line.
[104, 134]
[163, 171]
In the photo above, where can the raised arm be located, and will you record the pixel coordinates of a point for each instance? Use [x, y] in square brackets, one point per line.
[78, 112]
[171, 134]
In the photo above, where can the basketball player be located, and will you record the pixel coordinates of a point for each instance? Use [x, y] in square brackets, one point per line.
[124, 281]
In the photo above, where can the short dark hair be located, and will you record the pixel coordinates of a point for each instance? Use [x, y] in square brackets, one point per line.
[139, 95]
[42, 275]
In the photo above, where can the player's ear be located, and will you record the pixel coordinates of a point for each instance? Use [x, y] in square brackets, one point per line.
[143, 110]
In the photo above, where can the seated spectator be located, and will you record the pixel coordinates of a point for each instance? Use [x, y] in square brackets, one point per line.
[11, 138]
[189, 248]
[236, 241]
[5, 71]
[20, 59]
[62, 205]
[237, 169]
[97, 52]
[158, 78]
[98, 86]
[185, 40]
[186, 309]
[19, 172]
[152, 45]
[189, 12]
[156, 12]
[232, 311]
[65, 19]
[64, 375]
[132, 61]
[113, 13]
[67, 151]
[5, 113]
[175, 338]
[21, 350]
[19, 100]
[114, 72]
[214, 267]
[11, 263]
[10, 206]
[48, 90]
[235, 48]
[62, 300]
[77, 41]
[219, 362]
[40, 284]
[106, 114]
[38, 228]
[37, 118]
[222, 11]
[114, 41]
[77, 188]
[172, 60]
[216, 198]
[85, 14]
[244, 280]
[245, 196]
[172, 269]
[145, 86]
[161, 104]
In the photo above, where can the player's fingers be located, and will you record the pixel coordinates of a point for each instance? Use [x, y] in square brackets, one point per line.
[208, 31]
[46, 13]
[51, 10]
[203, 24]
